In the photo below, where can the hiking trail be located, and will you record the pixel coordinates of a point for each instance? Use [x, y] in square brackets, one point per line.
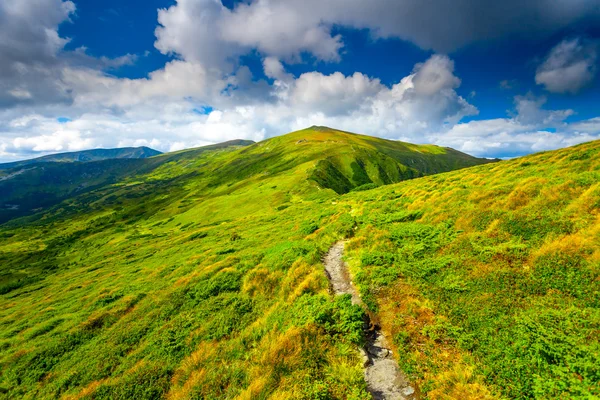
[384, 379]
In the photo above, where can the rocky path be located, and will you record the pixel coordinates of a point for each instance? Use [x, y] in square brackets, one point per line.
[384, 379]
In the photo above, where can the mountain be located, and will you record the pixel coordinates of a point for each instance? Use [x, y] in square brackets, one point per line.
[88, 155]
[337, 160]
[201, 275]
[30, 187]
[344, 161]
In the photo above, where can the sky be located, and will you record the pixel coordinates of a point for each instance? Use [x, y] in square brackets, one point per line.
[490, 78]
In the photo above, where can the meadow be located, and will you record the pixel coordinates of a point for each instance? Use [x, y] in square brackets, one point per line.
[489, 278]
[202, 276]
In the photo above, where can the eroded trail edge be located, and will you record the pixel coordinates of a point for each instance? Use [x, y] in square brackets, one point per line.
[384, 379]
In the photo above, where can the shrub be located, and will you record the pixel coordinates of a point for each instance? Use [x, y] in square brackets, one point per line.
[345, 225]
[308, 227]
[284, 254]
[393, 217]
[222, 282]
[365, 187]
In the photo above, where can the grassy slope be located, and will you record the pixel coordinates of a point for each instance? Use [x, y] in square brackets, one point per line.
[490, 275]
[28, 188]
[347, 161]
[161, 287]
[203, 278]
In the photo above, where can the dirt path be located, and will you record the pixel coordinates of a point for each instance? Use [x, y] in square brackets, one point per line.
[384, 379]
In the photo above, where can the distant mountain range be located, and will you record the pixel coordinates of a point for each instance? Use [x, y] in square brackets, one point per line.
[33, 185]
[88, 155]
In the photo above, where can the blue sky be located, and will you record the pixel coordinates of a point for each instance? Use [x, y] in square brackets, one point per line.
[491, 79]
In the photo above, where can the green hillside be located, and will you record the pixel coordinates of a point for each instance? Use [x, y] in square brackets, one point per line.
[200, 275]
[88, 155]
[338, 160]
[344, 161]
[39, 185]
[489, 278]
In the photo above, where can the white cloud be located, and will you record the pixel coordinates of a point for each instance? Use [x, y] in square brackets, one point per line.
[530, 112]
[160, 109]
[569, 67]
[29, 51]
[61, 140]
[591, 126]
[435, 75]
[531, 129]
[276, 29]
[191, 29]
[274, 69]
[160, 112]
[505, 137]
[178, 79]
[164, 110]
[333, 94]
[50, 136]
[206, 31]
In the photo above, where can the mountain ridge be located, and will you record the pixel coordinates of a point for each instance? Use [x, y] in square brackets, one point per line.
[88, 156]
[336, 160]
[31, 187]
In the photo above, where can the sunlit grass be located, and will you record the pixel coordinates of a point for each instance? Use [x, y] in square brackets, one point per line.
[202, 278]
[497, 283]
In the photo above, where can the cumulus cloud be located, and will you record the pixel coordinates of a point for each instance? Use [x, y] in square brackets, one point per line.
[32, 56]
[505, 137]
[50, 136]
[166, 113]
[274, 69]
[206, 31]
[205, 96]
[191, 29]
[29, 51]
[424, 100]
[333, 94]
[530, 129]
[276, 29]
[61, 140]
[591, 125]
[569, 67]
[163, 108]
[178, 79]
[529, 111]
[28, 30]
[435, 75]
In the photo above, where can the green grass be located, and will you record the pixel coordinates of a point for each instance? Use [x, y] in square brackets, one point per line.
[35, 185]
[201, 276]
[490, 273]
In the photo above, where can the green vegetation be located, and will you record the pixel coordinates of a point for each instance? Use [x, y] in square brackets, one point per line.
[355, 162]
[199, 275]
[87, 155]
[33, 185]
[489, 278]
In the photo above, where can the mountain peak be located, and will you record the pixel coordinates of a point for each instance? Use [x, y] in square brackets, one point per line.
[319, 128]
